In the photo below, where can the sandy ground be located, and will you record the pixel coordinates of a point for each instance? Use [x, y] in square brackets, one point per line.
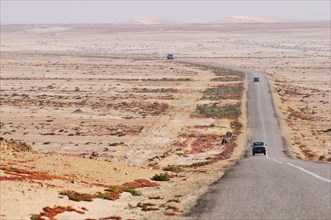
[122, 121]
[103, 107]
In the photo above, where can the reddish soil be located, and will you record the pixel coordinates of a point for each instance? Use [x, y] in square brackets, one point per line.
[50, 213]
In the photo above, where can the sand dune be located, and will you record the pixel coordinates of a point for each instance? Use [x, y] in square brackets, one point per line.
[255, 19]
[151, 21]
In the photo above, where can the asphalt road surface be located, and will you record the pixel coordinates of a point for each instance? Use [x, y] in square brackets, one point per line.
[272, 186]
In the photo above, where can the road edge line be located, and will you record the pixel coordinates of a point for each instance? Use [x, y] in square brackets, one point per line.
[310, 173]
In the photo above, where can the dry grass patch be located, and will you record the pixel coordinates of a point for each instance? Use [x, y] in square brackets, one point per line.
[226, 79]
[75, 196]
[215, 111]
[229, 73]
[231, 91]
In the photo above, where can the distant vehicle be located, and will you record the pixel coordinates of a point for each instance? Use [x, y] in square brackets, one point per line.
[259, 147]
[256, 79]
[170, 56]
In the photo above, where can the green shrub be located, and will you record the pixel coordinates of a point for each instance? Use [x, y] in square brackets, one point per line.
[161, 177]
[35, 217]
[115, 189]
[178, 196]
[155, 197]
[76, 196]
[135, 192]
[173, 168]
[140, 205]
[108, 196]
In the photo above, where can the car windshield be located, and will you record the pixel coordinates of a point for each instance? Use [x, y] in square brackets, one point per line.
[258, 143]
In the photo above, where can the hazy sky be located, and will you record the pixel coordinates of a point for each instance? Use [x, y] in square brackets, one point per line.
[65, 11]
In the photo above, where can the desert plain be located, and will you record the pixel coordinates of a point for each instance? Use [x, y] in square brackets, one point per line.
[96, 123]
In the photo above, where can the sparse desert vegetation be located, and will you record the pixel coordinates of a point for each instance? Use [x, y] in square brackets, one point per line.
[145, 121]
[107, 122]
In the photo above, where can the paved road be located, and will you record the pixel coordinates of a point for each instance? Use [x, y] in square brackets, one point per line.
[272, 186]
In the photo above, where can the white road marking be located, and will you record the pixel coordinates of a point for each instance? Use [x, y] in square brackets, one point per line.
[261, 118]
[310, 173]
[277, 161]
[265, 138]
[260, 110]
[266, 154]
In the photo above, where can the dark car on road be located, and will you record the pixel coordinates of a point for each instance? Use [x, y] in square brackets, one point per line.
[259, 147]
[170, 56]
[256, 79]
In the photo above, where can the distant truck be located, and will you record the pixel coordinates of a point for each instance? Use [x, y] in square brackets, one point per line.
[259, 147]
[256, 79]
[170, 56]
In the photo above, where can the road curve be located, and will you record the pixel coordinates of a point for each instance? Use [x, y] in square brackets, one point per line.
[267, 187]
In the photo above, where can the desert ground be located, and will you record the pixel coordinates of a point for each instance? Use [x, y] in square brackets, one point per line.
[97, 124]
